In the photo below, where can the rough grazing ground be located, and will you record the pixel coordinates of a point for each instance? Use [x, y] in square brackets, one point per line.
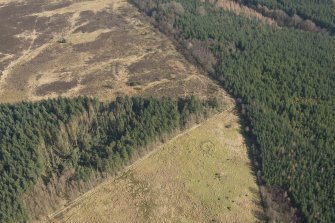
[109, 50]
[202, 175]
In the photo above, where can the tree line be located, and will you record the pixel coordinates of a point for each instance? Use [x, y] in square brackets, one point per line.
[284, 79]
[47, 138]
[322, 12]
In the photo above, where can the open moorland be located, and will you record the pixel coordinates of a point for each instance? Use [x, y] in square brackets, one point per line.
[202, 175]
[98, 48]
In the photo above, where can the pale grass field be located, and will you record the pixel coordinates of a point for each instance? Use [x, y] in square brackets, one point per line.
[202, 175]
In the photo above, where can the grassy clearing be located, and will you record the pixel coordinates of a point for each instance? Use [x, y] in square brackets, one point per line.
[200, 176]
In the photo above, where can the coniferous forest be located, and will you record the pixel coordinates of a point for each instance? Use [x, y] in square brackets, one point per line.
[284, 79]
[47, 138]
[320, 11]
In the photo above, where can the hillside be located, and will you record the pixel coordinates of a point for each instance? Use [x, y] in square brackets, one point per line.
[87, 88]
[110, 50]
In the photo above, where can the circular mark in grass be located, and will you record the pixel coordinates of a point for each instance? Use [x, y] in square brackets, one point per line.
[207, 147]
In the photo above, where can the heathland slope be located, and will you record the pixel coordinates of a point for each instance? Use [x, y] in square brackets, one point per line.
[101, 48]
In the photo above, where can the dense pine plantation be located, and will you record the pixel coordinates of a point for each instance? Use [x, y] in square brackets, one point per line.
[45, 139]
[285, 79]
[320, 11]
